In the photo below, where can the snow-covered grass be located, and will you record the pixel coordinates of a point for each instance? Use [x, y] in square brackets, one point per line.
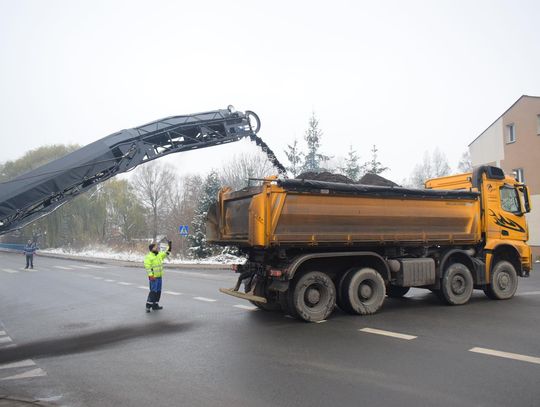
[137, 256]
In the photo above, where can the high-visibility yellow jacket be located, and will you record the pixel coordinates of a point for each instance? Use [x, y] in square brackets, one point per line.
[153, 263]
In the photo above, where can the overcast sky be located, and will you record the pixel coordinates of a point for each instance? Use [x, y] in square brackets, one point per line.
[407, 76]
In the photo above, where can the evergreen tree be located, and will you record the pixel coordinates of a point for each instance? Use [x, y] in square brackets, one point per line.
[351, 169]
[294, 155]
[313, 136]
[374, 166]
[199, 247]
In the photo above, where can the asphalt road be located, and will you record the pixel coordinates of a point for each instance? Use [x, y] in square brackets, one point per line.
[76, 334]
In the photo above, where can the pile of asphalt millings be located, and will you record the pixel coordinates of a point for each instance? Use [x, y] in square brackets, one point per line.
[367, 179]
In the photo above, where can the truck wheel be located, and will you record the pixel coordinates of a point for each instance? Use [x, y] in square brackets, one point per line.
[312, 297]
[364, 291]
[457, 285]
[395, 291]
[340, 292]
[502, 282]
[271, 298]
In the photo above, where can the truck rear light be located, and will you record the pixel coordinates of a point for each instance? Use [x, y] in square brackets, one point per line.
[275, 273]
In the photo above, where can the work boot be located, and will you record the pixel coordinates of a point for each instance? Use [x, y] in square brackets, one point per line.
[156, 307]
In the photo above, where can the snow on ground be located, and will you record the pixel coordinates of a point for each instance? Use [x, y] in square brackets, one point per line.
[105, 253]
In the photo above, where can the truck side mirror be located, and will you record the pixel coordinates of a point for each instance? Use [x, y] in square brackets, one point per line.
[526, 198]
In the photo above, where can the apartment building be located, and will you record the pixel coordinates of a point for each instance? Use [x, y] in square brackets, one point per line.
[512, 142]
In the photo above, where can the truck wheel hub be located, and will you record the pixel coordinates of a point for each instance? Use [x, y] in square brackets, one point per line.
[313, 296]
[365, 291]
[503, 281]
[458, 285]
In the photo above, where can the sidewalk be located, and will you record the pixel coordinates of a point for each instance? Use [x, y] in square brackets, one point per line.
[125, 263]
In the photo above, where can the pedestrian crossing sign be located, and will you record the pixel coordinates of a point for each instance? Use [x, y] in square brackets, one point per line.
[184, 229]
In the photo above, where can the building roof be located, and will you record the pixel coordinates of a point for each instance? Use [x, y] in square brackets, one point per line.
[506, 111]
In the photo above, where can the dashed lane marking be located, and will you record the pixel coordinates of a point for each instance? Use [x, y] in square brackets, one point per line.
[124, 283]
[78, 267]
[27, 375]
[2, 333]
[204, 299]
[172, 293]
[11, 271]
[388, 333]
[95, 266]
[5, 339]
[98, 278]
[320, 322]
[142, 287]
[506, 355]
[246, 307]
[63, 268]
[22, 363]
[110, 281]
[529, 293]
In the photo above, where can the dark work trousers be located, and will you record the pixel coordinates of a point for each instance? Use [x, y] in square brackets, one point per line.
[155, 293]
[30, 261]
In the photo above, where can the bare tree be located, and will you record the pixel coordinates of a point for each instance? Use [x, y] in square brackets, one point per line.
[465, 164]
[433, 165]
[152, 185]
[236, 172]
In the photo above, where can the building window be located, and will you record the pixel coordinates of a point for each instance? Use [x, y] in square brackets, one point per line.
[518, 174]
[510, 133]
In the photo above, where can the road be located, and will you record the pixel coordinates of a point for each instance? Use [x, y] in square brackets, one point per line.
[76, 334]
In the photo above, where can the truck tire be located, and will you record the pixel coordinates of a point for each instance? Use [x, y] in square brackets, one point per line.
[364, 291]
[503, 281]
[395, 291]
[271, 298]
[456, 285]
[312, 297]
[340, 292]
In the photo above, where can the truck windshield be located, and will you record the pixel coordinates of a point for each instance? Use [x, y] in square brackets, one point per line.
[510, 200]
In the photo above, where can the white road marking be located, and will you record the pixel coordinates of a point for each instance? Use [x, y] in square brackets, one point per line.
[78, 267]
[124, 283]
[2, 333]
[5, 339]
[98, 278]
[246, 307]
[11, 271]
[110, 281]
[388, 333]
[507, 355]
[27, 375]
[63, 268]
[529, 293]
[96, 267]
[320, 322]
[172, 293]
[143, 287]
[22, 363]
[204, 299]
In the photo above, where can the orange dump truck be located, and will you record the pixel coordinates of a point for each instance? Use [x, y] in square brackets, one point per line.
[311, 244]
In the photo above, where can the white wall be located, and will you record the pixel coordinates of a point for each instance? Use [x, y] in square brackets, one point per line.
[533, 220]
[489, 146]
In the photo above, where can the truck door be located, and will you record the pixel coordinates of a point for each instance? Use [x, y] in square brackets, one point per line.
[508, 217]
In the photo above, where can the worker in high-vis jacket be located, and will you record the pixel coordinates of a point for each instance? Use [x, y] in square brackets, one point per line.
[153, 263]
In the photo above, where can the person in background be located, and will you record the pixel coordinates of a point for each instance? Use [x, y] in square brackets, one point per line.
[29, 251]
[153, 263]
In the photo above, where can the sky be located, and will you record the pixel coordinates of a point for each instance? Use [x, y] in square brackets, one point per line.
[407, 76]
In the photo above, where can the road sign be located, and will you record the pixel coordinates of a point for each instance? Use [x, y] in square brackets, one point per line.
[184, 230]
